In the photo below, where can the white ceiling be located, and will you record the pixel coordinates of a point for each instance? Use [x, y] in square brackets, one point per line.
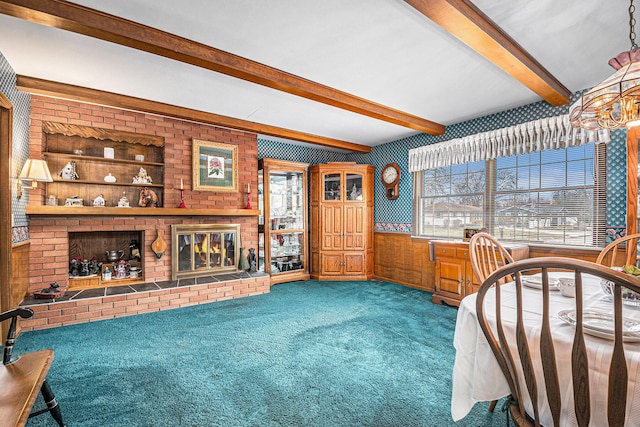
[381, 50]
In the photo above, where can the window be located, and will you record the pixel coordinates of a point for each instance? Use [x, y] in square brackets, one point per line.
[551, 196]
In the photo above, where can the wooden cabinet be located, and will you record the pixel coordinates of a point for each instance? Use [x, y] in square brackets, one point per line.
[341, 221]
[454, 278]
[282, 225]
[84, 147]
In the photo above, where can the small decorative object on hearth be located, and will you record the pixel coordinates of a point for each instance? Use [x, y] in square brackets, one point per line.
[106, 274]
[134, 249]
[99, 201]
[94, 267]
[69, 171]
[252, 261]
[243, 264]
[74, 267]
[148, 198]
[113, 256]
[142, 177]
[122, 269]
[53, 291]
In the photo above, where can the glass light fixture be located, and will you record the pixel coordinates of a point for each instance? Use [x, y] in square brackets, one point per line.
[34, 170]
[614, 103]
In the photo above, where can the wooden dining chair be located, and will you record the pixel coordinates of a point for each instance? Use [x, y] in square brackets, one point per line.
[22, 378]
[509, 350]
[487, 255]
[620, 252]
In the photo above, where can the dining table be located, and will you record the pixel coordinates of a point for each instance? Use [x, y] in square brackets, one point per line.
[477, 377]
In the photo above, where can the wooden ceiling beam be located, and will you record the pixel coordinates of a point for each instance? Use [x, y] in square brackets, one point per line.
[93, 23]
[466, 22]
[77, 93]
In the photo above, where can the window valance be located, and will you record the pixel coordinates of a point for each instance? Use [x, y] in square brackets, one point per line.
[542, 134]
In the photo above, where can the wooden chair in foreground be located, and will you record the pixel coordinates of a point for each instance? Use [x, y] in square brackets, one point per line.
[21, 379]
[509, 350]
[612, 254]
[487, 255]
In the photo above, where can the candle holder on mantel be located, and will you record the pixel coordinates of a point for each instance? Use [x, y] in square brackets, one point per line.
[248, 197]
[182, 205]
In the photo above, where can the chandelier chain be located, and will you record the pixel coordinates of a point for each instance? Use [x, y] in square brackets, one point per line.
[632, 24]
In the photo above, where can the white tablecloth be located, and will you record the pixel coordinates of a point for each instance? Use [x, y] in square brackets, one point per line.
[477, 376]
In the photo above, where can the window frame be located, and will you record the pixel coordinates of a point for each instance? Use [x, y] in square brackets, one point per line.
[598, 218]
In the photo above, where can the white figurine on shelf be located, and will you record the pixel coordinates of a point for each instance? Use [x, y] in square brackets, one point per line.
[99, 201]
[69, 171]
[142, 177]
[123, 202]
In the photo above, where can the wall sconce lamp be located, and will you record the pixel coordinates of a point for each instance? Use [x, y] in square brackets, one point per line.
[34, 171]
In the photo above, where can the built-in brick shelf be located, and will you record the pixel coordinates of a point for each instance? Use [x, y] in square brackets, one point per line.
[90, 305]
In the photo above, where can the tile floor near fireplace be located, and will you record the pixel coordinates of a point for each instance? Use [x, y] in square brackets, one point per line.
[79, 306]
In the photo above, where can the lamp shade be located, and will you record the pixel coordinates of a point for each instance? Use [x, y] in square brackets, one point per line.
[35, 170]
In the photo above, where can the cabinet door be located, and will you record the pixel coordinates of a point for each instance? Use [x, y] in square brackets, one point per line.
[450, 274]
[331, 232]
[354, 223]
[354, 263]
[331, 264]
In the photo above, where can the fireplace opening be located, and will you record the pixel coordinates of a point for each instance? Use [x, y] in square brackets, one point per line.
[204, 249]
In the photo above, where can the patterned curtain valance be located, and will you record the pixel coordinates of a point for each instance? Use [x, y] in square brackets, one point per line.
[543, 134]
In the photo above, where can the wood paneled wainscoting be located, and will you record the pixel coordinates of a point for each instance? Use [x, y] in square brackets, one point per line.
[399, 258]
[403, 259]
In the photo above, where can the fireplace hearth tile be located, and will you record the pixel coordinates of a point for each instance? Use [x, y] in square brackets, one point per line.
[167, 284]
[90, 293]
[186, 282]
[142, 287]
[117, 290]
[206, 279]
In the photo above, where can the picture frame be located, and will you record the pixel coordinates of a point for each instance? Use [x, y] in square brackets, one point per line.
[215, 166]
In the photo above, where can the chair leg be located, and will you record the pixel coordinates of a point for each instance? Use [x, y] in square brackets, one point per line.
[492, 405]
[52, 403]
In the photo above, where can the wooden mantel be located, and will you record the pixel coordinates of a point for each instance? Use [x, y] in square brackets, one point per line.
[112, 211]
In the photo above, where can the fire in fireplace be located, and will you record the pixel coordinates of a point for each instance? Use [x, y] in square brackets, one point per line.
[204, 249]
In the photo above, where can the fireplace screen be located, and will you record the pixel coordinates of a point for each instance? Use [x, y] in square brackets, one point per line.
[204, 249]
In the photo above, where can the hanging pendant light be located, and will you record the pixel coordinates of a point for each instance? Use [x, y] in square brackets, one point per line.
[614, 103]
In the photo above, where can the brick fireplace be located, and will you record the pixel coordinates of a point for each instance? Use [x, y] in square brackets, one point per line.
[49, 253]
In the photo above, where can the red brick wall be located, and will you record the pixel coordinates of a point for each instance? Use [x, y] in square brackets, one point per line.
[48, 234]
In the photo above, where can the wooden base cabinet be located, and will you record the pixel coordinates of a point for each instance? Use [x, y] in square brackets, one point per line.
[454, 278]
[341, 221]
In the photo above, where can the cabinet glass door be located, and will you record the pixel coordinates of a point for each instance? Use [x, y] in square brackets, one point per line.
[332, 186]
[260, 221]
[353, 187]
[286, 215]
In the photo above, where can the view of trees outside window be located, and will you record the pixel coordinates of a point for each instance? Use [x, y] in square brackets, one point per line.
[541, 197]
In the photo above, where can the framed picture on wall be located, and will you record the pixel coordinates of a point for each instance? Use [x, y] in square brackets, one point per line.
[215, 166]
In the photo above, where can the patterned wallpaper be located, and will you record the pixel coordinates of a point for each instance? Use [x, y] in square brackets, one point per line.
[20, 146]
[297, 153]
[396, 215]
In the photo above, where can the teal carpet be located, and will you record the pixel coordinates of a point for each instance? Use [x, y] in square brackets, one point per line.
[307, 354]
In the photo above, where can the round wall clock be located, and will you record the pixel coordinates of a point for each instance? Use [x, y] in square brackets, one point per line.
[391, 179]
